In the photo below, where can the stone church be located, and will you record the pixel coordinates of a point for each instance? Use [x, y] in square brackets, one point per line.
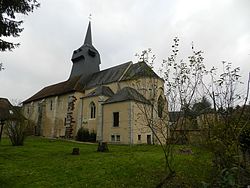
[116, 103]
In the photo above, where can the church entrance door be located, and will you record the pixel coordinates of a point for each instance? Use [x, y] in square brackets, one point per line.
[148, 139]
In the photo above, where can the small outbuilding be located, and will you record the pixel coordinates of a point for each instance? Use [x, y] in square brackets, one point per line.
[7, 112]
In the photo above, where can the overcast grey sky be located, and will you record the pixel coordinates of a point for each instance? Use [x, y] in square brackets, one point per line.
[120, 29]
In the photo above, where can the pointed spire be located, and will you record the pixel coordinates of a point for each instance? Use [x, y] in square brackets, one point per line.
[86, 59]
[88, 37]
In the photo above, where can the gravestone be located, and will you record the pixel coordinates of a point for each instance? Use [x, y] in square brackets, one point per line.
[102, 147]
[76, 151]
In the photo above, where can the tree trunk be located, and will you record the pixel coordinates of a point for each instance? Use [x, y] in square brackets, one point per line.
[1, 131]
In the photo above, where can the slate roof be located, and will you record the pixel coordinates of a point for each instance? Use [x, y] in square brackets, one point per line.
[140, 69]
[125, 71]
[127, 94]
[80, 83]
[101, 90]
[67, 86]
[107, 76]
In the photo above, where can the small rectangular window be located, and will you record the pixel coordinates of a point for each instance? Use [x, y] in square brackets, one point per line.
[51, 105]
[115, 119]
[118, 138]
[139, 137]
[112, 138]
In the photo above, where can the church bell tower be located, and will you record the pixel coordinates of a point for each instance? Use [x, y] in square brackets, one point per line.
[86, 59]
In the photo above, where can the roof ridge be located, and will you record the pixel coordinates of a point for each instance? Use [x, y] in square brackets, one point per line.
[125, 71]
[104, 90]
[126, 94]
[114, 67]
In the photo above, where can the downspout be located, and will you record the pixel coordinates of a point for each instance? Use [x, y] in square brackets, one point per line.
[102, 123]
[41, 115]
[152, 119]
[152, 111]
[130, 116]
[81, 115]
[100, 119]
[54, 117]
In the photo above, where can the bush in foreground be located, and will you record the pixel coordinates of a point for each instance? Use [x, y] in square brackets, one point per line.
[84, 135]
[16, 131]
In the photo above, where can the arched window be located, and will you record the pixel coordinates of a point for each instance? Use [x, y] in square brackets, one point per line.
[92, 110]
[160, 106]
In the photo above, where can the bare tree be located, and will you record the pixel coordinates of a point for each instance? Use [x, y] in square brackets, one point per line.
[1, 66]
[186, 82]
[154, 113]
[183, 85]
[182, 81]
[228, 125]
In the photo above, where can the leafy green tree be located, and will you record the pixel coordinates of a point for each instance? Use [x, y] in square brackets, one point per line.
[9, 25]
[201, 107]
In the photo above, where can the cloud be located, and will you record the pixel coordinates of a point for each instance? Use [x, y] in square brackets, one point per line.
[120, 29]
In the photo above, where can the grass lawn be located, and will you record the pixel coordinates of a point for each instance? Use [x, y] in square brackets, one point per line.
[48, 163]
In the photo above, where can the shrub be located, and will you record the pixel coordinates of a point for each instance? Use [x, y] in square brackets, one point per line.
[82, 134]
[244, 139]
[16, 131]
[92, 136]
[102, 147]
